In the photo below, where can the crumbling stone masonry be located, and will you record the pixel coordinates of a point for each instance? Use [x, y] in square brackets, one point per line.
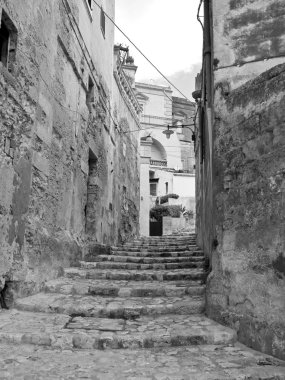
[67, 170]
[240, 155]
[247, 284]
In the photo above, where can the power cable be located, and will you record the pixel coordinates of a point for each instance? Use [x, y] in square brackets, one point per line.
[136, 47]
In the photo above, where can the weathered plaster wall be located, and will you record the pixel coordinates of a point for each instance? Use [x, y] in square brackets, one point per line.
[247, 284]
[248, 38]
[184, 184]
[127, 164]
[156, 102]
[240, 165]
[62, 161]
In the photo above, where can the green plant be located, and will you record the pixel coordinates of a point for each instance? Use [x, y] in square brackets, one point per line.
[159, 211]
[187, 213]
[165, 198]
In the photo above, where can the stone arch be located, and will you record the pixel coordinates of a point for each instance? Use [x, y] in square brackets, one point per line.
[157, 151]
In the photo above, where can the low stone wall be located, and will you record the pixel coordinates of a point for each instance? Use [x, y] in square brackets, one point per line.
[174, 225]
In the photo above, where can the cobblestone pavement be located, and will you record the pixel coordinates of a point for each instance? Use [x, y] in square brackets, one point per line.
[111, 318]
[186, 363]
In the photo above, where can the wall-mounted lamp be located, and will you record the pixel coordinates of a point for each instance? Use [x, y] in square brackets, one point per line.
[168, 132]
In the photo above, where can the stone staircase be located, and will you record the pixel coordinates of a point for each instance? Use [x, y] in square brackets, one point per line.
[148, 293]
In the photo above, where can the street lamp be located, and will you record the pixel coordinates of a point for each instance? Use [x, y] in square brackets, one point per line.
[168, 132]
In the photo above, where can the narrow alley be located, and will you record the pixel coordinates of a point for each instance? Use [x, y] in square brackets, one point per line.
[137, 313]
[142, 190]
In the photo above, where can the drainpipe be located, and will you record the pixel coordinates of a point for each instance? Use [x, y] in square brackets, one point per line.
[208, 112]
[207, 53]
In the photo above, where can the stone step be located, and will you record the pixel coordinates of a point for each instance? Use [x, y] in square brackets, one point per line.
[167, 237]
[108, 288]
[157, 243]
[160, 243]
[165, 248]
[136, 275]
[147, 260]
[157, 254]
[134, 266]
[157, 239]
[110, 307]
[65, 333]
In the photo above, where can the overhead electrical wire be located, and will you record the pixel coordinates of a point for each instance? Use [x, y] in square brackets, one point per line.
[108, 110]
[139, 50]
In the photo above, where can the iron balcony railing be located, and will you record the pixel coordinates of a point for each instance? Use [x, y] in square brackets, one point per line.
[158, 162]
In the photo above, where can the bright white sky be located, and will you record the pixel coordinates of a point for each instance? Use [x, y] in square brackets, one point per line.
[168, 33]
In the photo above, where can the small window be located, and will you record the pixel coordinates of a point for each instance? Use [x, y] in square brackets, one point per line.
[90, 97]
[153, 189]
[166, 187]
[102, 21]
[8, 41]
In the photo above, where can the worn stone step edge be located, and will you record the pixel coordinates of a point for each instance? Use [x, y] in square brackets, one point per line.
[134, 266]
[111, 289]
[199, 276]
[145, 260]
[156, 249]
[161, 243]
[89, 341]
[110, 307]
[164, 238]
[156, 254]
[63, 336]
[158, 244]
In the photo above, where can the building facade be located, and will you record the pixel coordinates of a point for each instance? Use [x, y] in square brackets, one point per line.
[167, 164]
[240, 168]
[69, 171]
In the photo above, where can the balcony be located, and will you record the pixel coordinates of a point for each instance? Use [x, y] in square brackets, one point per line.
[158, 163]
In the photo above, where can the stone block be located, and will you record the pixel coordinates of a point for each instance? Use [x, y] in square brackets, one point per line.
[84, 167]
[41, 163]
[43, 133]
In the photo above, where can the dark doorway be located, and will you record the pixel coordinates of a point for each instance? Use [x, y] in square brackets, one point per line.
[91, 211]
[155, 227]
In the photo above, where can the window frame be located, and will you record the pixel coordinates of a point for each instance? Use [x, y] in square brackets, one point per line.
[90, 95]
[103, 22]
[89, 8]
[155, 186]
[9, 41]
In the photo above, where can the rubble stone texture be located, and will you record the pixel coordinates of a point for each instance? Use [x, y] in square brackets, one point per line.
[155, 329]
[240, 220]
[68, 175]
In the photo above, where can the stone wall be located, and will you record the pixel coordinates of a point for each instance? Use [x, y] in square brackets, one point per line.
[240, 165]
[247, 284]
[248, 39]
[65, 185]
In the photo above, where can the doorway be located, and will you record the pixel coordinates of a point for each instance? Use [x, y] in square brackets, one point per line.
[91, 211]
